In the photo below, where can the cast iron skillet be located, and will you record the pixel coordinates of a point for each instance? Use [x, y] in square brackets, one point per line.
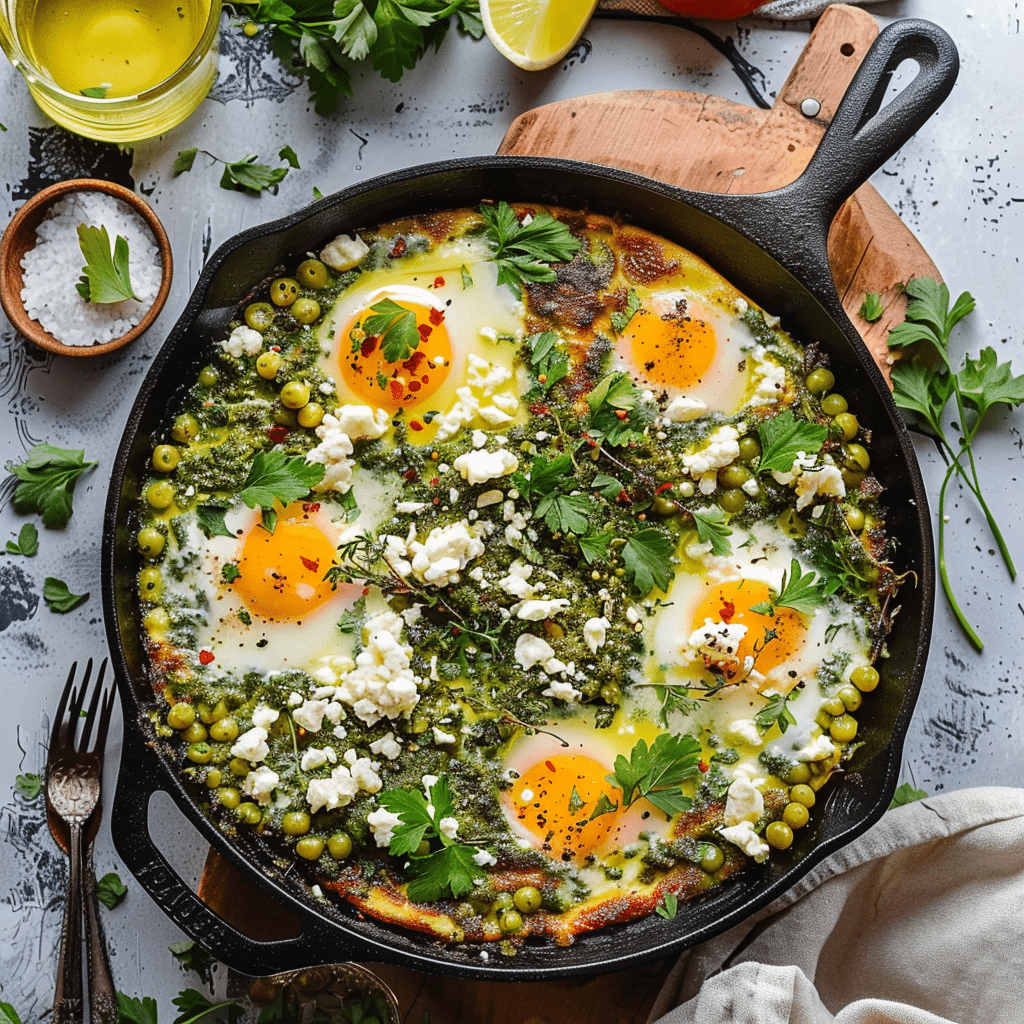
[773, 247]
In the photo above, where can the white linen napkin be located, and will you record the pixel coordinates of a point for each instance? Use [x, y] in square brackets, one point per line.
[919, 921]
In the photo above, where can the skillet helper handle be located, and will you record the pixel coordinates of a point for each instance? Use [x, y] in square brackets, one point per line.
[137, 781]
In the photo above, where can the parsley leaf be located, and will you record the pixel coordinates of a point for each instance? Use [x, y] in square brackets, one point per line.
[46, 482]
[548, 360]
[775, 712]
[110, 890]
[8, 1015]
[985, 383]
[801, 591]
[595, 546]
[27, 543]
[184, 160]
[193, 957]
[906, 794]
[668, 907]
[28, 786]
[246, 175]
[621, 320]
[784, 437]
[648, 559]
[657, 772]
[274, 476]
[613, 409]
[193, 1006]
[210, 518]
[105, 278]
[919, 389]
[710, 523]
[524, 252]
[59, 598]
[871, 309]
[229, 572]
[551, 481]
[396, 327]
[136, 1011]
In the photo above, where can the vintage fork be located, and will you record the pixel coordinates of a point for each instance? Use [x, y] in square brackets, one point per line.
[73, 775]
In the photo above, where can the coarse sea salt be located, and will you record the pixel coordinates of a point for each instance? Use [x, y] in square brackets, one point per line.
[54, 266]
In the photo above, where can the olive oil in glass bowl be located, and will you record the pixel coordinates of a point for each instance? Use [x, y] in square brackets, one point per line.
[114, 70]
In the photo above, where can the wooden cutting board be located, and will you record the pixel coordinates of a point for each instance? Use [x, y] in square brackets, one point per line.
[711, 144]
[714, 145]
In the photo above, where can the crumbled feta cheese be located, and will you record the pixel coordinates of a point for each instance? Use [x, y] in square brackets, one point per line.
[532, 650]
[360, 421]
[817, 750]
[479, 439]
[484, 859]
[535, 611]
[682, 409]
[315, 757]
[243, 341]
[260, 784]
[310, 715]
[332, 453]
[295, 699]
[744, 836]
[264, 717]
[516, 582]
[744, 730]
[743, 802]
[560, 689]
[382, 824]
[480, 465]
[771, 383]
[387, 746]
[595, 632]
[251, 745]
[410, 507]
[812, 479]
[721, 449]
[364, 772]
[444, 553]
[717, 642]
[448, 827]
[442, 738]
[344, 252]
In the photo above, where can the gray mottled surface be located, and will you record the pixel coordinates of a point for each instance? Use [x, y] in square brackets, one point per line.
[959, 185]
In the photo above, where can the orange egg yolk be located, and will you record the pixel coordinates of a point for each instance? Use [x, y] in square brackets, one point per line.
[771, 640]
[671, 343]
[554, 800]
[281, 574]
[398, 382]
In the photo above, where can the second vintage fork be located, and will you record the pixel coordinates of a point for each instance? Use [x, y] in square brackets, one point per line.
[73, 775]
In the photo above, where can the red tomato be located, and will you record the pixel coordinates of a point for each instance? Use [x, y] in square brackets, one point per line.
[723, 10]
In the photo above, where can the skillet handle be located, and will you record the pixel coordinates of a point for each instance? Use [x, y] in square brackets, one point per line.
[792, 223]
[137, 781]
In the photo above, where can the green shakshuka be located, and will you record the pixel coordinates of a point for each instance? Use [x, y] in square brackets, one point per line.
[512, 574]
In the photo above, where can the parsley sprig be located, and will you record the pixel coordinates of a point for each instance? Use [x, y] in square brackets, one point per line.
[105, 276]
[551, 483]
[784, 437]
[981, 384]
[802, 591]
[395, 326]
[657, 772]
[524, 252]
[449, 869]
[775, 712]
[247, 175]
[46, 482]
[273, 476]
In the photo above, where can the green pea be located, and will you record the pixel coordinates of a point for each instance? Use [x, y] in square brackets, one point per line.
[733, 475]
[251, 29]
[854, 518]
[865, 678]
[156, 620]
[238, 766]
[779, 835]
[208, 376]
[847, 425]
[305, 310]
[199, 753]
[527, 899]
[851, 697]
[259, 315]
[285, 417]
[802, 794]
[857, 457]
[297, 823]
[791, 524]
[852, 479]
[833, 405]
[309, 847]
[711, 858]
[181, 715]
[611, 693]
[151, 583]
[796, 814]
[195, 732]
[208, 715]
[310, 415]
[165, 458]
[249, 813]
[750, 448]
[312, 274]
[503, 901]
[283, 292]
[732, 500]
[339, 846]
[819, 381]
[799, 773]
[150, 542]
[294, 395]
[214, 776]
[511, 922]
[185, 428]
[229, 797]
[834, 706]
[663, 505]
[224, 731]
[160, 494]
[267, 364]
[843, 729]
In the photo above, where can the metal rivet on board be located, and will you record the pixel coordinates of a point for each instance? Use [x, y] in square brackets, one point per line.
[810, 107]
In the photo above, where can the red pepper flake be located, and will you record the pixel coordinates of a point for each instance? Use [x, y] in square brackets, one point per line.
[727, 611]
[409, 475]
[539, 409]
[311, 506]
[398, 249]
[412, 364]
[622, 413]
[623, 497]
[437, 501]
[368, 345]
[366, 591]
[415, 424]
[275, 348]
[397, 388]
[205, 657]
[664, 487]
[703, 766]
[550, 767]
[438, 281]
[436, 316]
[312, 564]
[425, 330]
[414, 386]
[277, 433]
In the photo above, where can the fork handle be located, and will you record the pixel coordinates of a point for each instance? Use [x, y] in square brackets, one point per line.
[102, 995]
[67, 1000]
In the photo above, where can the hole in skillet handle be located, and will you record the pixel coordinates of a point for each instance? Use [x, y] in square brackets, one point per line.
[792, 223]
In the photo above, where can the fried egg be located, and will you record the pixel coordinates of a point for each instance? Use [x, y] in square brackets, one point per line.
[455, 319]
[686, 349]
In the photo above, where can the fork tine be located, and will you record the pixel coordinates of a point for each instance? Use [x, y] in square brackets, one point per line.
[58, 718]
[90, 715]
[106, 709]
[67, 736]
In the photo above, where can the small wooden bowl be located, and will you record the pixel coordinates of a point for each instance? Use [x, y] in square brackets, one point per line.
[20, 236]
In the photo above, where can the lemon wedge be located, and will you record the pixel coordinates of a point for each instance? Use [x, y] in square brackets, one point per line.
[535, 34]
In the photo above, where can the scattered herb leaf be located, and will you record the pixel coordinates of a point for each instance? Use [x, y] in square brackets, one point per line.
[275, 476]
[871, 309]
[668, 907]
[210, 519]
[59, 598]
[46, 482]
[711, 528]
[396, 327]
[657, 772]
[136, 1011]
[105, 277]
[110, 890]
[775, 712]
[96, 92]
[27, 543]
[620, 321]
[906, 794]
[801, 591]
[29, 785]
